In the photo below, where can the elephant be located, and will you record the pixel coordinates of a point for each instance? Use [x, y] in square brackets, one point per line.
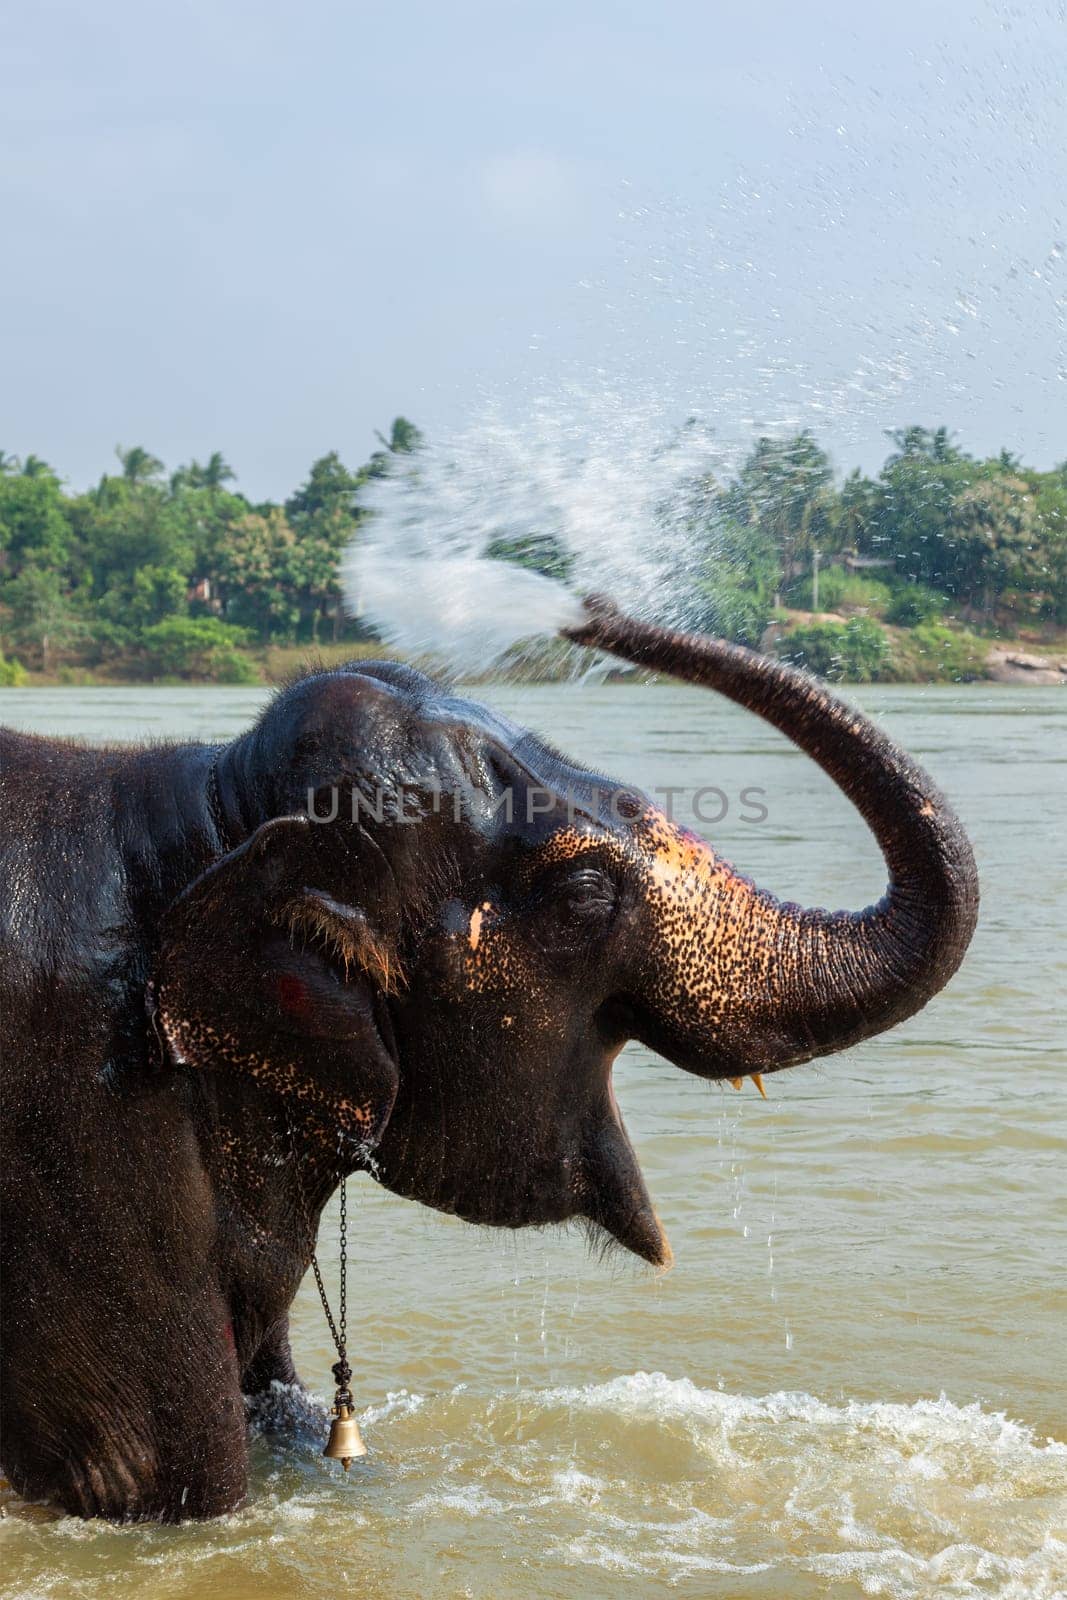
[385, 930]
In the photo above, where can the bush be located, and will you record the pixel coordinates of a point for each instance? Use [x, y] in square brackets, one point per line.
[856, 651]
[913, 604]
[840, 589]
[933, 653]
[107, 641]
[537, 552]
[200, 647]
[831, 584]
[737, 614]
[12, 673]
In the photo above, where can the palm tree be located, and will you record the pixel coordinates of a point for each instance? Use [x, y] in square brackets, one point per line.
[138, 464]
[212, 476]
[9, 463]
[941, 446]
[35, 467]
[932, 444]
[217, 472]
[403, 438]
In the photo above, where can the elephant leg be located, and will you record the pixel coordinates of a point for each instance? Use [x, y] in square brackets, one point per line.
[290, 1412]
[272, 1362]
[115, 1446]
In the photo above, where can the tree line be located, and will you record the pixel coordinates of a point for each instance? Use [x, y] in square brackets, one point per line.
[984, 541]
[179, 575]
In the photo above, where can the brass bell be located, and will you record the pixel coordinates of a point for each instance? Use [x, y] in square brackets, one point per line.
[344, 1443]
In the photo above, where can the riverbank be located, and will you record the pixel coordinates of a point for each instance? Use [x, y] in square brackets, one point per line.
[836, 645]
[850, 646]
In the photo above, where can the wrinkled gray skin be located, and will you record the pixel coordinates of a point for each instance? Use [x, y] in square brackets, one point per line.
[213, 1007]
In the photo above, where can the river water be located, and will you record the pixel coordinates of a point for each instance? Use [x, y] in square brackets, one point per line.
[851, 1383]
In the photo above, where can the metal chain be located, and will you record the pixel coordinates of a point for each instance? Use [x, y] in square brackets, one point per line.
[338, 1330]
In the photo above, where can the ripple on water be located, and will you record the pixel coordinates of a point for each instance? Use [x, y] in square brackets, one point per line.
[640, 1482]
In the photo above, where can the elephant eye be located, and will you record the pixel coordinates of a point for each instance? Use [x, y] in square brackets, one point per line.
[587, 894]
[570, 909]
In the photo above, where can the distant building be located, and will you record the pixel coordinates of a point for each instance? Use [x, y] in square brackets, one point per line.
[201, 591]
[856, 563]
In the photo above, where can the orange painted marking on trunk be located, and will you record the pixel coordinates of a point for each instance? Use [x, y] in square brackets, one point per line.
[676, 855]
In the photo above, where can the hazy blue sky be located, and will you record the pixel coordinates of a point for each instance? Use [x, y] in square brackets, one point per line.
[267, 228]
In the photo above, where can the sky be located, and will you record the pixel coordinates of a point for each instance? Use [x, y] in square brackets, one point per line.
[269, 228]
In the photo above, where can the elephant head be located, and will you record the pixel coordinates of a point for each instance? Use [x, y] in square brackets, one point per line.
[437, 978]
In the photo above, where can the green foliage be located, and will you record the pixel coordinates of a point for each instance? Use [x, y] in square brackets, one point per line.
[34, 525]
[146, 596]
[737, 612]
[934, 653]
[1048, 601]
[96, 575]
[138, 465]
[324, 515]
[211, 476]
[197, 647]
[923, 444]
[251, 573]
[988, 535]
[912, 604]
[785, 488]
[124, 574]
[404, 439]
[832, 580]
[536, 552]
[329, 486]
[12, 673]
[839, 590]
[738, 576]
[856, 651]
[44, 619]
[125, 524]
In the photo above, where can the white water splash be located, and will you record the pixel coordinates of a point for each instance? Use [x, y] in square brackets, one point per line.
[608, 486]
[466, 610]
[652, 1480]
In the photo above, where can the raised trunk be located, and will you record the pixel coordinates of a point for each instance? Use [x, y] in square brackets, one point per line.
[735, 981]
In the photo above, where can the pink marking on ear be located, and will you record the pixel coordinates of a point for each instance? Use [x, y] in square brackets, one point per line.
[292, 994]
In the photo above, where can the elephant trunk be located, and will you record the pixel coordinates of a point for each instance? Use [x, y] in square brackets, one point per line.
[732, 980]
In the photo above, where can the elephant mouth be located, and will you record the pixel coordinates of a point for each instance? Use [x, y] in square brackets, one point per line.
[502, 1163]
[616, 1198]
[593, 1178]
[383, 1021]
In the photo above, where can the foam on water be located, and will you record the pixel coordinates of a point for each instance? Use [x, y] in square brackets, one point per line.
[644, 1479]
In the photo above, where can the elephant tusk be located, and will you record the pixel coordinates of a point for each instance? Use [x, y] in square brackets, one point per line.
[757, 1079]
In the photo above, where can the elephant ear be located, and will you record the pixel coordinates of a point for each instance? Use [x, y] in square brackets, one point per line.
[276, 962]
